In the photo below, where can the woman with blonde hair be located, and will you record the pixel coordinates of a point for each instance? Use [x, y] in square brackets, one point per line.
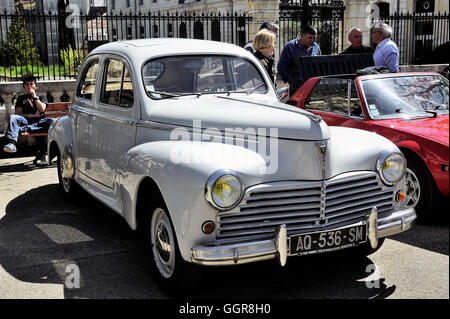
[264, 44]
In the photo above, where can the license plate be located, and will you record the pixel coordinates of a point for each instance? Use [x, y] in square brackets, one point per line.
[312, 243]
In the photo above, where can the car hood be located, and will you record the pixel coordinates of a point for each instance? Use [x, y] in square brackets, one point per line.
[227, 113]
[436, 128]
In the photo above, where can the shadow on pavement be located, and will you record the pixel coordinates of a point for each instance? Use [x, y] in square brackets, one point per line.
[41, 235]
[432, 235]
[23, 167]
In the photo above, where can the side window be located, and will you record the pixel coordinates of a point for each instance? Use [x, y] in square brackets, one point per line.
[330, 95]
[86, 88]
[247, 76]
[117, 87]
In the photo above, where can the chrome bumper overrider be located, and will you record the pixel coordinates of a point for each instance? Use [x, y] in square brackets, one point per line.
[277, 247]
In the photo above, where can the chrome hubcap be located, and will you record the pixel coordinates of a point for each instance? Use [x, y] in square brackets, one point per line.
[163, 244]
[412, 189]
[65, 181]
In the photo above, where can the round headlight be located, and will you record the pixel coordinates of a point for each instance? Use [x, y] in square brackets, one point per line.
[224, 190]
[391, 166]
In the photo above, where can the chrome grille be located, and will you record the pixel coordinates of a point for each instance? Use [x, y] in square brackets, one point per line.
[306, 206]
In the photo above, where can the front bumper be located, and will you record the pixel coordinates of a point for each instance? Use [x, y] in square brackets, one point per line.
[277, 247]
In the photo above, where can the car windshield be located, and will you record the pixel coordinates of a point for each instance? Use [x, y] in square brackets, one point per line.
[196, 75]
[406, 96]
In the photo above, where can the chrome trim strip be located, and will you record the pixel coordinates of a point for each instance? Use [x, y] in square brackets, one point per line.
[114, 118]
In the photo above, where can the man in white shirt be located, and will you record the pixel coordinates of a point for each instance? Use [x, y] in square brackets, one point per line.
[386, 52]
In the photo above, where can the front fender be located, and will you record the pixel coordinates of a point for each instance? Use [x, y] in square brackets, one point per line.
[181, 169]
[60, 131]
[355, 150]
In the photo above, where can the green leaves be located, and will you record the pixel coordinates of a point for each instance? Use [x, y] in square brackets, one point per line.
[19, 49]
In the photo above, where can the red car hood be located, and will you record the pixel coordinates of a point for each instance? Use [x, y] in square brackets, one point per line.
[434, 128]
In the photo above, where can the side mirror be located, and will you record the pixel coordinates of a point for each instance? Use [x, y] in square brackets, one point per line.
[283, 94]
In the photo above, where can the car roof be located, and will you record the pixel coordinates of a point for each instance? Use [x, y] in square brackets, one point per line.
[143, 49]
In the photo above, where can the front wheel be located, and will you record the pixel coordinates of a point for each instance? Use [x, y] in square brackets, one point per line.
[162, 241]
[173, 273]
[420, 192]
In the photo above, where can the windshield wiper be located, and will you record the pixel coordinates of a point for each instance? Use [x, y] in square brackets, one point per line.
[431, 112]
[163, 93]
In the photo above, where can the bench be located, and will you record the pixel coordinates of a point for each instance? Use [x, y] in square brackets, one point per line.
[54, 110]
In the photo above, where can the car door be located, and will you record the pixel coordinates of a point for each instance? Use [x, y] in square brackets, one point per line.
[113, 120]
[81, 109]
[329, 99]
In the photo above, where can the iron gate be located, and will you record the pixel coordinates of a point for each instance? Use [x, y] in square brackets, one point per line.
[327, 16]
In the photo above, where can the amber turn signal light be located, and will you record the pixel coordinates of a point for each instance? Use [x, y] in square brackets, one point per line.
[208, 227]
[400, 196]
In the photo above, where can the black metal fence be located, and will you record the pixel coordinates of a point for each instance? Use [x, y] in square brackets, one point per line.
[422, 38]
[52, 46]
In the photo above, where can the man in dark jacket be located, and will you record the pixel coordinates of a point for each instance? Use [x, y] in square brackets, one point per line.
[289, 65]
[355, 37]
[29, 114]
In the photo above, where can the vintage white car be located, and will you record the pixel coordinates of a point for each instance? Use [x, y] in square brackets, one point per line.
[187, 140]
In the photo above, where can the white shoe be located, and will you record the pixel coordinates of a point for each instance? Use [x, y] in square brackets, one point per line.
[10, 148]
[43, 160]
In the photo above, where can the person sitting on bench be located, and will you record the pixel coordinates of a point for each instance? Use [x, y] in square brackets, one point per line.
[29, 114]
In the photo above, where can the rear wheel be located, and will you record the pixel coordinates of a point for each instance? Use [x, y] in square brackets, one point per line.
[68, 186]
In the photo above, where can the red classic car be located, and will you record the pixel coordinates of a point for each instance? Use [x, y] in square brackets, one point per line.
[410, 109]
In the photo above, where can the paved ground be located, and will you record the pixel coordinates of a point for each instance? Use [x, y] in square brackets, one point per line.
[41, 235]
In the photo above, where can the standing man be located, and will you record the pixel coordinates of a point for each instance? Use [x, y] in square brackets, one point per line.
[356, 39]
[386, 52]
[288, 66]
[29, 114]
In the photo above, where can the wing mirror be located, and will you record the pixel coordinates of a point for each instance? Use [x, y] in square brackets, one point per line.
[283, 94]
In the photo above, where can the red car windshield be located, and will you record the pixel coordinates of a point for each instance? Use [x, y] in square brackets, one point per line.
[406, 96]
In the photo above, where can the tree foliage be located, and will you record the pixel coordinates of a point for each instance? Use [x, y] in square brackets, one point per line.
[19, 49]
[71, 59]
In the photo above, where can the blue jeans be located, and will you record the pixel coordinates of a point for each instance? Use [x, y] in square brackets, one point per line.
[19, 124]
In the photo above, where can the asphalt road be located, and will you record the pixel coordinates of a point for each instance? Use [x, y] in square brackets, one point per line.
[45, 242]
